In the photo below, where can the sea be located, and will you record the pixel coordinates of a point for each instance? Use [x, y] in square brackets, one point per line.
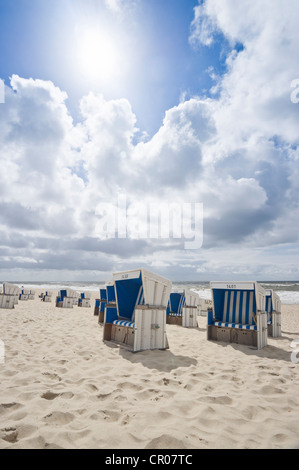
[288, 291]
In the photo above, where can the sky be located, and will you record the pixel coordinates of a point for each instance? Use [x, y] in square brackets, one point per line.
[149, 133]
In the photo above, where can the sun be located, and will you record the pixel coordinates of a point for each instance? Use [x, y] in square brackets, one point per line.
[99, 55]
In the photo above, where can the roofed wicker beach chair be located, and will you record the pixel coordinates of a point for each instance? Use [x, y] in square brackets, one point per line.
[273, 309]
[9, 296]
[204, 305]
[109, 303]
[138, 321]
[47, 297]
[84, 300]
[24, 294]
[100, 304]
[238, 314]
[66, 298]
[31, 295]
[182, 308]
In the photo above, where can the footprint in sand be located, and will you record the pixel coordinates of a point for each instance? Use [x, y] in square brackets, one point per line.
[222, 400]
[50, 395]
[52, 376]
[9, 434]
[59, 418]
[8, 406]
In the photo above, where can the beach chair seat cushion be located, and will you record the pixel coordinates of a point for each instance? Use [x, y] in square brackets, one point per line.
[174, 314]
[129, 324]
[235, 325]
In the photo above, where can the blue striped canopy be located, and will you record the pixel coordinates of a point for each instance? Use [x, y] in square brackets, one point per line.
[234, 306]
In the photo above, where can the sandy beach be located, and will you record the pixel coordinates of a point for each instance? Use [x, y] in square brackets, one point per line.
[62, 387]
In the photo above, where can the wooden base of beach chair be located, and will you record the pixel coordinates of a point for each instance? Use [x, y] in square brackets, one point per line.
[174, 320]
[233, 335]
[47, 298]
[101, 316]
[149, 331]
[123, 336]
[96, 311]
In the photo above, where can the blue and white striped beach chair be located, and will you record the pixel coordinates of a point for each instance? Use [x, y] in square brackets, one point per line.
[107, 298]
[238, 314]
[24, 294]
[138, 322]
[66, 298]
[84, 300]
[100, 303]
[182, 308]
[110, 304]
[273, 309]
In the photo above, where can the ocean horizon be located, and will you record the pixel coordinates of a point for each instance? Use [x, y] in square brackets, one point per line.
[288, 291]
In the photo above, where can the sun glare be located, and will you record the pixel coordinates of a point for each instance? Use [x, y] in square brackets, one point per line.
[99, 55]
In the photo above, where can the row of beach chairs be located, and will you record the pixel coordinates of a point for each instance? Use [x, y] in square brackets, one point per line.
[11, 294]
[67, 298]
[135, 306]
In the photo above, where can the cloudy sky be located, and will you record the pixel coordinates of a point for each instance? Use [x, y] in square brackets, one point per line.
[118, 110]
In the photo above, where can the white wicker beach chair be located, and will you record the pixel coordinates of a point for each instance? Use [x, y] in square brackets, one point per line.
[273, 309]
[182, 308]
[9, 296]
[138, 319]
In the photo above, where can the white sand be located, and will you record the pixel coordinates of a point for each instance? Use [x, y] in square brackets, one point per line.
[61, 386]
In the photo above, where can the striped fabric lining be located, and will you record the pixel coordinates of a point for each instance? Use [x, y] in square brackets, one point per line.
[140, 297]
[235, 325]
[180, 307]
[130, 324]
[139, 301]
[238, 307]
[269, 308]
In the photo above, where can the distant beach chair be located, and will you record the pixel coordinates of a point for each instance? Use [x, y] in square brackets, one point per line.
[273, 309]
[66, 298]
[47, 297]
[100, 305]
[109, 304]
[238, 314]
[9, 296]
[182, 308]
[24, 294]
[138, 320]
[204, 306]
[84, 300]
[31, 295]
[103, 298]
